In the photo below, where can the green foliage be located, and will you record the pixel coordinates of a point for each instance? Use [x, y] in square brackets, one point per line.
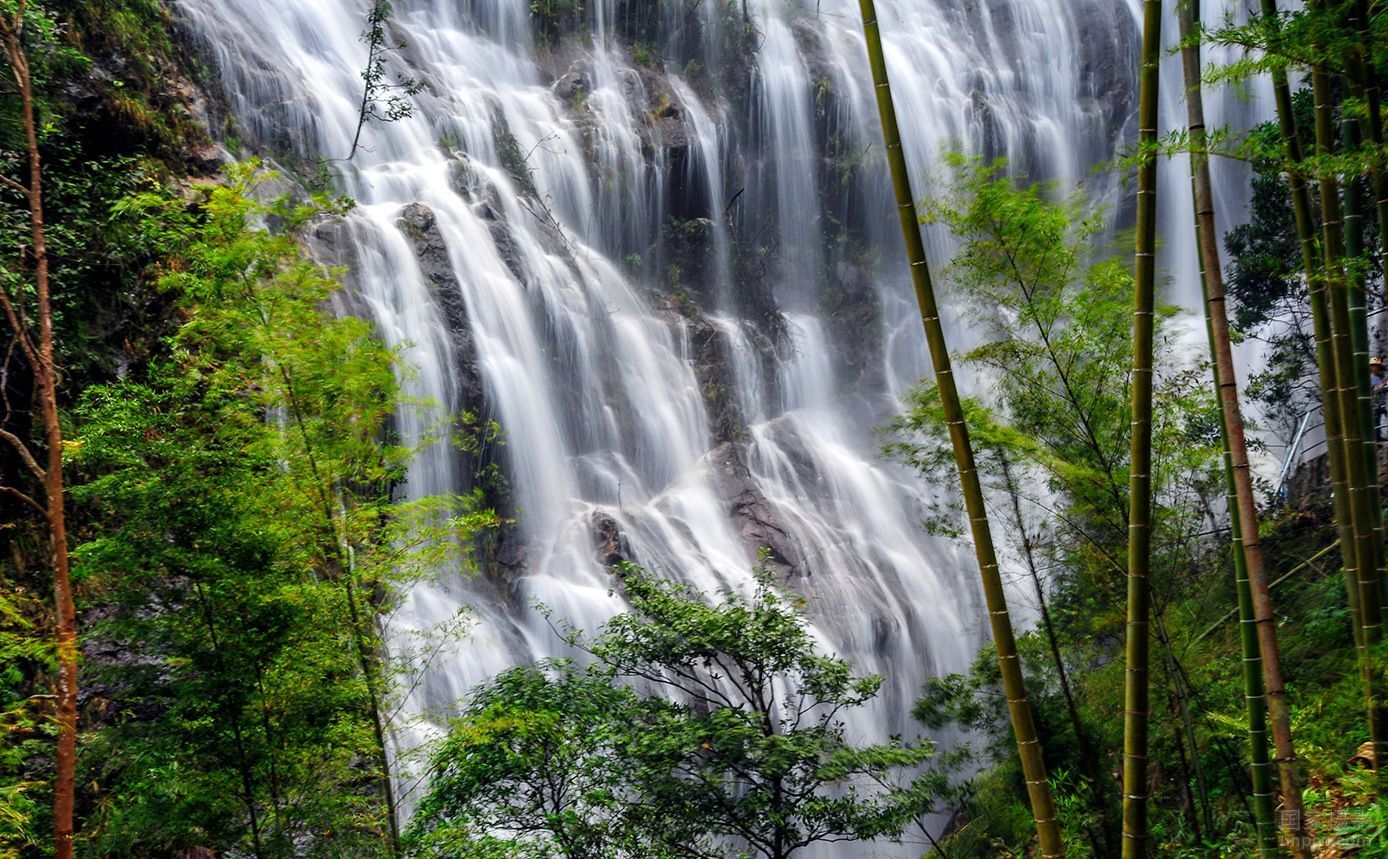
[1056, 358]
[93, 266]
[1055, 361]
[697, 724]
[545, 749]
[22, 721]
[133, 44]
[516, 163]
[384, 98]
[241, 492]
[1266, 282]
[103, 315]
[1052, 439]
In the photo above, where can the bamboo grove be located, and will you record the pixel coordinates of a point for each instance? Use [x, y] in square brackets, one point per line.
[1338, 48]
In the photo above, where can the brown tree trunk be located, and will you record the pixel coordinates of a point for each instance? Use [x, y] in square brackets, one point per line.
[1255, 698]
[45, 371]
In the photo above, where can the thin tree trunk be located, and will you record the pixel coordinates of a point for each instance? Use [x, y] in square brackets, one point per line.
[46, 376]
[1019, 707]
[233, 710]
[1239, 492]
[1029, 555]
[368, 658]
[1358, 298]
[1089, 763]
[1191, 775]
[1137, 681]
[1255, 699]
[364, 638]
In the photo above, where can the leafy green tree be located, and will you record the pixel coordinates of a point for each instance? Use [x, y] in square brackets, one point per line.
[547, 752]
[700, 728]
[1054, 318]
[249, 541]
[1053, 444]
[383, 99]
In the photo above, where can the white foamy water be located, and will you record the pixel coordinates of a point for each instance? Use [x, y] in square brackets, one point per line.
[585, 366]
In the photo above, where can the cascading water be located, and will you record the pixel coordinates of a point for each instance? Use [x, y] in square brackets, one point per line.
[654, 241]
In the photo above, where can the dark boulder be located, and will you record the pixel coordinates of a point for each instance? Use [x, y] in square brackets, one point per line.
[608, 540]
[714, 373]
[419, 226]
[750, 512]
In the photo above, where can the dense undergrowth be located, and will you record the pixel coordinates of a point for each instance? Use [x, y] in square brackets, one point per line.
[1201, 805]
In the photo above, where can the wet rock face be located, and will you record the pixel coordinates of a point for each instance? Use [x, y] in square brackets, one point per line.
[713, 369]
[608, 540]
[485, 196]
[669, 127]
[685, 249]
[113, 668]
[1113, 42]
[753, 515]
[851, 307]
[511, 551]
[418, 224]
[1309, 483]
[574, 85]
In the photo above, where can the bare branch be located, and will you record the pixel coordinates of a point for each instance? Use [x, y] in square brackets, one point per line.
[5, 383]
[24, 453]
[21, 329]
[15, 493]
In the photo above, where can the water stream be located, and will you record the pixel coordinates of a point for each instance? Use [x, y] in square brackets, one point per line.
[586, 183]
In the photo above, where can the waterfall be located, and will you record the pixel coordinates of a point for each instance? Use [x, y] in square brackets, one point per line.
[655, 242]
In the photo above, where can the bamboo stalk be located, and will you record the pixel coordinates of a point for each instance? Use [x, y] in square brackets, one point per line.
[1363, 83]
[1211, 278]
[1137, 680]
[1301, 208]
[1360, 467]
[1014, 686]
[1368, 86]
[1320, 317]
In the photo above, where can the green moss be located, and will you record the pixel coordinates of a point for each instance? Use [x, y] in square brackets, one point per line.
[134, 36]
[513, 160]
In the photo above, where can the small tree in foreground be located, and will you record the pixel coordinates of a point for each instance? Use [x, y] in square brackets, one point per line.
[700, 728]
